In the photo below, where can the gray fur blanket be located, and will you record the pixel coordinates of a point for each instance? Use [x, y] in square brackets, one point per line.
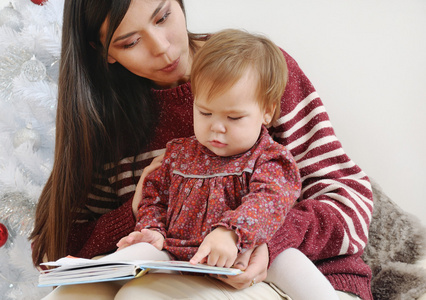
[396, 241]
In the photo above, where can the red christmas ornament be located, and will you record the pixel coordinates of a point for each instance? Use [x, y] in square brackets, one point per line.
[38, 2]
[3, 234]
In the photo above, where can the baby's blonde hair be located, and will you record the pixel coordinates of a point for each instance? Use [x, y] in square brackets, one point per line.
[224, 58]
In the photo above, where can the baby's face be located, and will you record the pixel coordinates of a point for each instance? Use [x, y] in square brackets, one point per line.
[231, 122]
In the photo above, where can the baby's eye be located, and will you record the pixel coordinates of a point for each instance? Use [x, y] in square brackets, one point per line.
[235, 118]
[205, 114]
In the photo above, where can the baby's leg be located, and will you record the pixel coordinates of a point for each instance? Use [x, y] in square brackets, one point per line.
[296, 275]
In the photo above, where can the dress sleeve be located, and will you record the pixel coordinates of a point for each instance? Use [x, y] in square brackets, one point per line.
[273, 188]
[334, 211]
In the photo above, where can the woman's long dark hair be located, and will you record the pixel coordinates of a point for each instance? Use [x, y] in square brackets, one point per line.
[100, 108]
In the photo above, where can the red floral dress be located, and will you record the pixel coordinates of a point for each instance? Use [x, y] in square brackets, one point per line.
[195, 191]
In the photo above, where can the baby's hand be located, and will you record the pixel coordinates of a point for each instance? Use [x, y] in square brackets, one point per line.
[144, 236]
[219, 248]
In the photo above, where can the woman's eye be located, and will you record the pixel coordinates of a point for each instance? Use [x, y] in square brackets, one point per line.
[132, 44]
[163, 18]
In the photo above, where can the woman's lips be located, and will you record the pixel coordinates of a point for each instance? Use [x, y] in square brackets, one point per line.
[173, 66]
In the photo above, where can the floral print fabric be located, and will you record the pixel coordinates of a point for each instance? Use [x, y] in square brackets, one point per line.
[194, 191]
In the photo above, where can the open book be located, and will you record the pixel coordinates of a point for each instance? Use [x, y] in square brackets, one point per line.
[71, 270]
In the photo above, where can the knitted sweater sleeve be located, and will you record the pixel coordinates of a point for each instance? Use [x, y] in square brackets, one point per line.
[102, 224]
[333, 214]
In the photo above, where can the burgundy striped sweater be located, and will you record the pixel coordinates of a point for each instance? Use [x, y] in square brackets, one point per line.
[329, 223]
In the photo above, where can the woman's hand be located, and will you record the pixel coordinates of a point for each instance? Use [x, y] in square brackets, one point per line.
[137, 197]
[254, 263]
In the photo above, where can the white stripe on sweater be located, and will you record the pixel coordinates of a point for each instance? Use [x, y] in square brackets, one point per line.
[316, 159]
[140, 157]
[350, 224]
[98, 210]
[126, 189]
[124, 175]
[331, 168]
[360, 199]
[358, 177]
[363, 203]
[318, 143]
[345, 243]
[296, 110]
[301, 123]
[345, 201]
[320, 125]
[104, 188]
[99, 198]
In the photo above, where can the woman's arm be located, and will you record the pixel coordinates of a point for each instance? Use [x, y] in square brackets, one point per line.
[108, 215]
[336, 205]
[89, 238]
[99, 228]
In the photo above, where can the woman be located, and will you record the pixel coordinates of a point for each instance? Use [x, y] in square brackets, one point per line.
[124, 92]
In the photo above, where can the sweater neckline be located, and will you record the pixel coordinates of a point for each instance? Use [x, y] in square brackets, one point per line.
[176, 93]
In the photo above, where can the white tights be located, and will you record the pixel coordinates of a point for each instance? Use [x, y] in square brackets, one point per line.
[296, 275]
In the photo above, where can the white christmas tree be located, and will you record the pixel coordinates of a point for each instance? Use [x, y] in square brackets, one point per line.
[30, 36]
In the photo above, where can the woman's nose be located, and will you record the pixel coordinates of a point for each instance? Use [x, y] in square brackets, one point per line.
[159, 44]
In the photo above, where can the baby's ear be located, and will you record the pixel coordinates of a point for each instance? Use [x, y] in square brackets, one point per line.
[268, 115]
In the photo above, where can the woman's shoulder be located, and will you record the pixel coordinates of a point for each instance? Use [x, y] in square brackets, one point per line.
[298, 91]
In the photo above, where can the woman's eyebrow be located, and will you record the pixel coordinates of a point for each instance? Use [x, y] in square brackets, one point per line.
[159, 7]
[124, 36]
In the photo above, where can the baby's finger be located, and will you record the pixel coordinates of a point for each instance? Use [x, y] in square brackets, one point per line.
[127, 241]
[200, 256]
[122, 247]
[122, 241]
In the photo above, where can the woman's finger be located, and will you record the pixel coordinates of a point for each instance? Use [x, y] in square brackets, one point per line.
[255, 272]
[243, 259]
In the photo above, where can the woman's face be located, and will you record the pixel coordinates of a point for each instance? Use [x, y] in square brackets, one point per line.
[152, 42]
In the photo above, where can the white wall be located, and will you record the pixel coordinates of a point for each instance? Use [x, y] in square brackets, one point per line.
[3, 3]
[367, 60]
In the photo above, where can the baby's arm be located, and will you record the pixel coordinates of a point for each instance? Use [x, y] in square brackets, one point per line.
[274, 186]
[219, 248]
[145, 235]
